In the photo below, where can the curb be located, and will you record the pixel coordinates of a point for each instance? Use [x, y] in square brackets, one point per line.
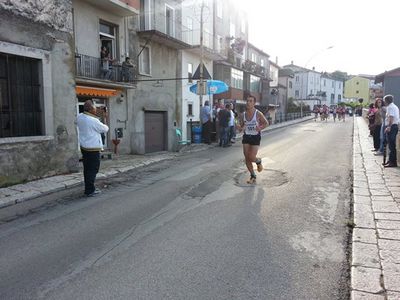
[376, 216]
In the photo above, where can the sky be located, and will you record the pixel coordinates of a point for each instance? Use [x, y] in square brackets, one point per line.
[364, 34]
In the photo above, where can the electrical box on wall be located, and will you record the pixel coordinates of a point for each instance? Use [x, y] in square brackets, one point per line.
[119, 133]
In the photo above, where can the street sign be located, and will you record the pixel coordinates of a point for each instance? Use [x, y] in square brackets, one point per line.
[206, 74]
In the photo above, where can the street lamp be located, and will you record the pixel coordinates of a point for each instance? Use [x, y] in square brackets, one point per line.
[305, 67]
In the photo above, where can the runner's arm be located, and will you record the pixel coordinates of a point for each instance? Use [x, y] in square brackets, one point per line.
[240, 123]
[262, 121]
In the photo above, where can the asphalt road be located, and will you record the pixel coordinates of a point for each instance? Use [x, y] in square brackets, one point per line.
[191, 228]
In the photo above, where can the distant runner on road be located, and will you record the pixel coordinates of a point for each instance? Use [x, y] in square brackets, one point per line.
[252, 121]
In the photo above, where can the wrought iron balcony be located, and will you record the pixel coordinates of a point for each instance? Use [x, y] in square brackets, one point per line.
[162, 28]
[254, 68]
[214, 47]
[94, 68]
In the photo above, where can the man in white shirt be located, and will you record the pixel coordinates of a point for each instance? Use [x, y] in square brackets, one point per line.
[392, 123]
[90, 130]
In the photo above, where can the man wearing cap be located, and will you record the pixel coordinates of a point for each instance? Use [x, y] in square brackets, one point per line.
[392, 123]
[90, 129]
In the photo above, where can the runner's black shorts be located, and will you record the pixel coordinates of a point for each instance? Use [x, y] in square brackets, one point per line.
[253, 140]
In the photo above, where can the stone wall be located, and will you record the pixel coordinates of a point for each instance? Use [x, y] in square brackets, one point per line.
[56, 14]
[42, 30]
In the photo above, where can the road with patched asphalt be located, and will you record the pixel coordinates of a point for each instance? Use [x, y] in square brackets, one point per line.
[191, 228]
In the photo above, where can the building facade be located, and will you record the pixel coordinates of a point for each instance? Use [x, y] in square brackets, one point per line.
[191, 58]
[355, 88]
[316, 88]
[157, 108]
[231, 28]
[135, 59]
[390, 81]
[38, 136]
[102, 47]
[285, 85]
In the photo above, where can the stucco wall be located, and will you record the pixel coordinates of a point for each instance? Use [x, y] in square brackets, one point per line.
[165, 63]
[46, 37]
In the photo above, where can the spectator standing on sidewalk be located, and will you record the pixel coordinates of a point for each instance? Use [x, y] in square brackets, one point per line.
[376, 129]
[371, 119]
[205, 116]
[232, 125]
[216, 110]
[382, 135]
[90, 130]
[224, 116]
[392, 123]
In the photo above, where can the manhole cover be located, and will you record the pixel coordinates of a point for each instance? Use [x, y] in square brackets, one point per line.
[312, 130]
[267, 178]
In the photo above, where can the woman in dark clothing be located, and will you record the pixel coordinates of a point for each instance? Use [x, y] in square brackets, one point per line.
[376, 130]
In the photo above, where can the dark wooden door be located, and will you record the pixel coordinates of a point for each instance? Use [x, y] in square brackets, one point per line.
[155, 133]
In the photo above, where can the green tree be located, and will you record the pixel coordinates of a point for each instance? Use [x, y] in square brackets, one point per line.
[340, 75]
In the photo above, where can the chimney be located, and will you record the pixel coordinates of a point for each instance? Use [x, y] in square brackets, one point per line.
[291, 62]
[313, 68]
[276, 60]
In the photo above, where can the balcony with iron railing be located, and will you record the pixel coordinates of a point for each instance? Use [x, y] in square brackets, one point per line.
[163, 29]
[117, 7]
[90, 67]
[172, 32]
[214, 47]
[252, 67]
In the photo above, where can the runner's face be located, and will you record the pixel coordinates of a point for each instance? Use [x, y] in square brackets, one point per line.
[250, 102]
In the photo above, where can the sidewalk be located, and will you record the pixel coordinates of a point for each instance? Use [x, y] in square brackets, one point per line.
[19, 193]
[375, 265]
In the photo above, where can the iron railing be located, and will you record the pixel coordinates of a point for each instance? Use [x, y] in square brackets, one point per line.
[20, 123]
[170, 26]
[174, 28]
[281, 117]
[96, 68]
[254, 68]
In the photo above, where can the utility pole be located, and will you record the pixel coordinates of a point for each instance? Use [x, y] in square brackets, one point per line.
[201, 83]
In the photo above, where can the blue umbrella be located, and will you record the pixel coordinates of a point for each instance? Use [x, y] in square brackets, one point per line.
[213, 87]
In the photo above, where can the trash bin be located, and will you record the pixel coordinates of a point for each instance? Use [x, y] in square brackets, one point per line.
[197, 134]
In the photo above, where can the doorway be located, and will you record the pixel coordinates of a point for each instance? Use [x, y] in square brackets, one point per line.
[155, 131]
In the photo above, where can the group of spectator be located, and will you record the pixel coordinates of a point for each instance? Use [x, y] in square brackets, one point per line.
[383, 117]
[107, 64]
[223, 117]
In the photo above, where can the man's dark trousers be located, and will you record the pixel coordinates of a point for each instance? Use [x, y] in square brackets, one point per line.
[91, 165]
[223, 134]
[207, 132]
[392, 143]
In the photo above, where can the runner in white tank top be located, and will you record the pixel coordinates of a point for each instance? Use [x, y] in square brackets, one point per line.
[250, 126]
[252, 123]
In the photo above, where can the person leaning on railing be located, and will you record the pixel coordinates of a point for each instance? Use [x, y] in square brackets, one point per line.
[127, 70]
[106, 63]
